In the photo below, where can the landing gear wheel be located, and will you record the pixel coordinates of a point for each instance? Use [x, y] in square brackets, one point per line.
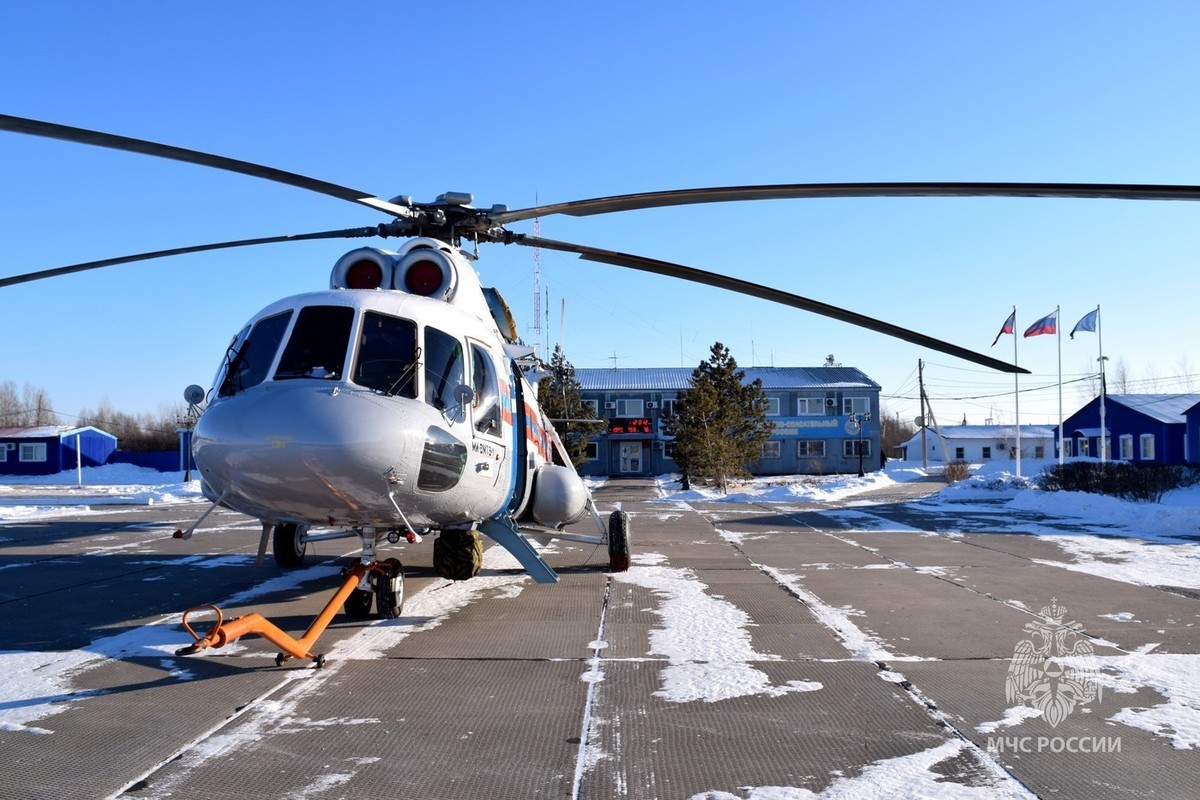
[389, 589]
[358, 604]
[288, 543]
[618, 542]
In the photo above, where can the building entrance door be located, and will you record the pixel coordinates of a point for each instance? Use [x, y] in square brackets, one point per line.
[631, 457]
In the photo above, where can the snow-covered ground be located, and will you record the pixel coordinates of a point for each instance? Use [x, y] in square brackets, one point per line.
[1141, 543]
[75, 493]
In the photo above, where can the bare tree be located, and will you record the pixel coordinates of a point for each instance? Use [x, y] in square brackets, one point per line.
[1120, 378]
[29, 407]
[136, 432]
[1186, 376]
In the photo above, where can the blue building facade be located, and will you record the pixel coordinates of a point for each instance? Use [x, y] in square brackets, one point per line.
[50, 449]
[1140, 428]
[814, 409]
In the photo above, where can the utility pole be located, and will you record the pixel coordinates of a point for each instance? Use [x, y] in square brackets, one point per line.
[921, 385]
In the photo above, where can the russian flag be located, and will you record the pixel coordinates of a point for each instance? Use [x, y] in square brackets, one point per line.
[1009, 325]
[1047, 324]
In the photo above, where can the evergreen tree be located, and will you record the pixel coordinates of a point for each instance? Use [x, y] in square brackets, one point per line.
[559, 395]
[720, 423]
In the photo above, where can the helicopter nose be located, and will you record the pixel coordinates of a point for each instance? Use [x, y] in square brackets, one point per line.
[306, 452]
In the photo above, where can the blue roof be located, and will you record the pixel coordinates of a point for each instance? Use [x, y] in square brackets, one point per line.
[600, 379]
[1168, 408]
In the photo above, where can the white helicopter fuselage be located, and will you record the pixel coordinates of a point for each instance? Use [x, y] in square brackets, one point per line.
[378, 408]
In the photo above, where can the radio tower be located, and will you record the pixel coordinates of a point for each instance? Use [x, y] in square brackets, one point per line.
[537, 287]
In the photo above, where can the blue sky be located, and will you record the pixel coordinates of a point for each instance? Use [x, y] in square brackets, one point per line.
[546, 102]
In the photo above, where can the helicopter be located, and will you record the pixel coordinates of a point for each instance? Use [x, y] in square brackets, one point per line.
[399, 402]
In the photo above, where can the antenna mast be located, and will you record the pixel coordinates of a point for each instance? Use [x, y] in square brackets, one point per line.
[537, 286]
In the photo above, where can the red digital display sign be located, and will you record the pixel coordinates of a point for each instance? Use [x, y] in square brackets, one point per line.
[632, 425]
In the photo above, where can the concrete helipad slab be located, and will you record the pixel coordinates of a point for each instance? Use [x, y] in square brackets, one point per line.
[500, 687]
[649, 746]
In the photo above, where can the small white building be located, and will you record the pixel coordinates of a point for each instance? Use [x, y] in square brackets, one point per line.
[979, 443]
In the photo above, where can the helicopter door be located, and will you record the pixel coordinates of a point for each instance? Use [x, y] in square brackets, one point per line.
[631, 457]
[488, 450]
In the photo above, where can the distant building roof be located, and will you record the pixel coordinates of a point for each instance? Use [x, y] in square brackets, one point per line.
[37, 432]
[1168, 408]
[600, 379]
[47, 432]
[995, 432]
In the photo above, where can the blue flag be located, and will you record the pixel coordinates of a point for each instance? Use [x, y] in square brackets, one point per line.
[1088, 323]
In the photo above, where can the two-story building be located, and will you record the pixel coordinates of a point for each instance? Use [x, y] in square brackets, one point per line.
[826, 419]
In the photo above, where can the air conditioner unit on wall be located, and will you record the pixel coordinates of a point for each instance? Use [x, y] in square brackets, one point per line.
[830, 402]
[610, 405]
[651, 404]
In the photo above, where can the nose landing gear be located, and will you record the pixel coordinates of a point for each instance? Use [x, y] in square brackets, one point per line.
[387, 578]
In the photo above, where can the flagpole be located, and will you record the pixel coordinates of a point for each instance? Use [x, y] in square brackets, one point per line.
[1103, 389]
[1017, 391]
[1058, 333]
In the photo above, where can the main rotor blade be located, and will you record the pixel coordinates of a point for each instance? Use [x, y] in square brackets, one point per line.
[796, 191]
[765, 293]
[50, 130]
[348, 233]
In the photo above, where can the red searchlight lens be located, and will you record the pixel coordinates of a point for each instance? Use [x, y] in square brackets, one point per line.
[423, 278]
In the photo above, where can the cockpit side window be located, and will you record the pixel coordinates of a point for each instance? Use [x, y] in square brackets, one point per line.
[443, 369]
[246, 365]
[487, 391]
[387, 355]
[317, 346]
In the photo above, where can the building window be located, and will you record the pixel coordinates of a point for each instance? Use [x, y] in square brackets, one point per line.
[669, 450]
[1147, 446]
[629, 408]
[1126, 443]
[1066, 446]
[1039, 451]
[810, 448]
[960, 453]
[1084, 449]
[850, 447]
[33, 452]
[987, 452]
[808, 406]
[668, 407]
[772, 407]
[856, 405]
[594, 405]
[770, 449]
[4, 448]
[593, 449]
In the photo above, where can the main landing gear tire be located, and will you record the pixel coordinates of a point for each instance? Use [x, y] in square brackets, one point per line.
[288, 544]
[618, 542]
[389, 589]
[458, 554]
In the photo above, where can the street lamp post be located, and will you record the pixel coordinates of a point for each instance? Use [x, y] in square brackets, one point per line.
[859, 421]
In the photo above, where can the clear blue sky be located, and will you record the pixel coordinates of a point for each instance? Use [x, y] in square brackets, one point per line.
[545, 102]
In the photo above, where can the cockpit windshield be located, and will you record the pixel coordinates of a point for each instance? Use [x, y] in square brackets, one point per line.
[444, 369]
[387, 355]
[317, 346]
[247, 362]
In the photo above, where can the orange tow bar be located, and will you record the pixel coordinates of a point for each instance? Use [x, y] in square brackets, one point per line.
[227, 631]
